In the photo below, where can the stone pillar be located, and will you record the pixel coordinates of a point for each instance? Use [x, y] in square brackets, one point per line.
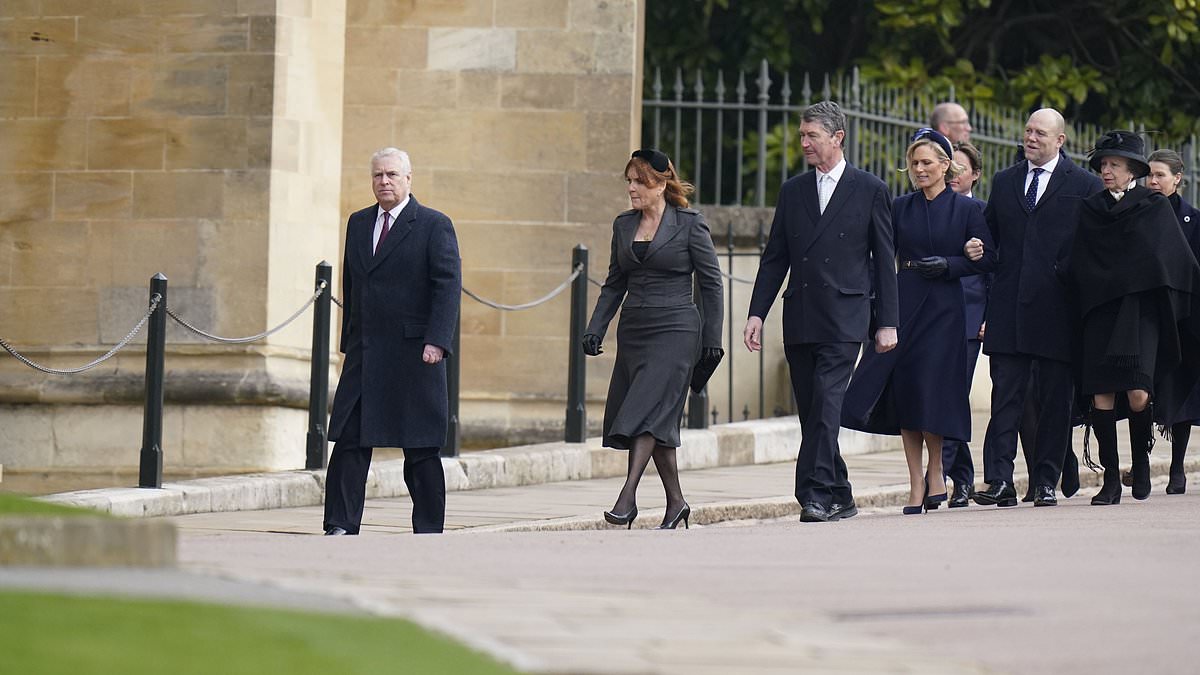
[197, 138]
[517, 116]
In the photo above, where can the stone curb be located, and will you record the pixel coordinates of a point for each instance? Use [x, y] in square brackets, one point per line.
[786, 506]
[737, 444]
[91, 541]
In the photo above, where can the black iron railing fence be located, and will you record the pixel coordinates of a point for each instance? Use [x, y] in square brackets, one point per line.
[738, 144]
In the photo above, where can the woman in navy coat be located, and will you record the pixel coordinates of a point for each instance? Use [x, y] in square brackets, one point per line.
[1166, 175]
[920, 389]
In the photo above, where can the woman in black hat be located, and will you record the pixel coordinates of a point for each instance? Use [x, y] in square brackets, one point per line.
[920, 390]
[1136, 281]
[1166, 177]
[657, 247]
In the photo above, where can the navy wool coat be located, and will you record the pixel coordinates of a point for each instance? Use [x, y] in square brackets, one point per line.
[1029, 309]
[833, 258]
[924, 383]
[396, 302]
[975, 293]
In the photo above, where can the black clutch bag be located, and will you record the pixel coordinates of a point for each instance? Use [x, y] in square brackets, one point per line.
[704, 369]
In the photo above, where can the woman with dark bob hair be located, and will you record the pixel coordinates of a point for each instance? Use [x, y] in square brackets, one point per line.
[1136, 282]
[1166, 177]
[657, 247]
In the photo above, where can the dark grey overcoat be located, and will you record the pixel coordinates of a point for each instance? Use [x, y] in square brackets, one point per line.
[396, 302]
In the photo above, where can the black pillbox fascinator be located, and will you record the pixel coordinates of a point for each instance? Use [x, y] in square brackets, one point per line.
[657, 159]
[935, 136]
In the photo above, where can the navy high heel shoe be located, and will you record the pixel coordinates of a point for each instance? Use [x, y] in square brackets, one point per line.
[919, 508]
[683, 515]
[932, 502]
[621, 519]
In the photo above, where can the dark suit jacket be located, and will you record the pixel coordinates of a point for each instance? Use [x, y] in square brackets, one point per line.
[839, 260]
[1029, 311]
[682, 245]
[975, 294]
[396, 302]
[1189, 221]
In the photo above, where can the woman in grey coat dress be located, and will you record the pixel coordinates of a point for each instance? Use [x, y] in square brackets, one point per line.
[657, 246]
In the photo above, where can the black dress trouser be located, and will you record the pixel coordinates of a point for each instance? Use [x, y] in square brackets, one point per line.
[1053, 389]
[346, 483]
[820, 372]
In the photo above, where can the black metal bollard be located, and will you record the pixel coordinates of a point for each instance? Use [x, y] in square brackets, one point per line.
[576, 422]
[150, 463]
[698, 403]
[318, 381]
[453, 374]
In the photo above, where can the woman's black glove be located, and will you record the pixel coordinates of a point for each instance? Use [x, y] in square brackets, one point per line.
[591, 345]
[712, 355]
[932, 267]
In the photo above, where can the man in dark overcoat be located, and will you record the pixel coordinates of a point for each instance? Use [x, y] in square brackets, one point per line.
[1032, 212]
[401, 283]
[833, 231]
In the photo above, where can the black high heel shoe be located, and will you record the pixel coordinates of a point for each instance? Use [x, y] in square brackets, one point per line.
[619, 519]
[683, 515]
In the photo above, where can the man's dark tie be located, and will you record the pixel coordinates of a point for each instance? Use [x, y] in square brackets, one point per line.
[1031, 193]
[384, 232]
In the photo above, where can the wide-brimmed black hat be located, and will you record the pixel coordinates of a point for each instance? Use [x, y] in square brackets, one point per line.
[1121, 144]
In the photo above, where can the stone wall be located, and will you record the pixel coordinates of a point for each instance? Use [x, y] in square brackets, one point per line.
[197, 138]
[519, 116]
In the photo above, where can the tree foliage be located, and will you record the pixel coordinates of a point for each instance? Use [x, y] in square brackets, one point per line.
[1101, 61]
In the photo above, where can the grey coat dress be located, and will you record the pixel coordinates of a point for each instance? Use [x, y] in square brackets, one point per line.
[661, 330]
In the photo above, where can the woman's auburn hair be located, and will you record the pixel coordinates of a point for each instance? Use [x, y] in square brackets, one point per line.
[676, 191]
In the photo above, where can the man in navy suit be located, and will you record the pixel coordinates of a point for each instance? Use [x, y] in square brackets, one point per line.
[833, 231]
[401, 281]
[1032, 213]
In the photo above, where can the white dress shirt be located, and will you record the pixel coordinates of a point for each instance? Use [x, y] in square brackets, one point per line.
[392, 213]
[1043, 180]
[830, 181]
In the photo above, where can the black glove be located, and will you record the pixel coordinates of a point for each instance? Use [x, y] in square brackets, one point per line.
[710, 358]
[932, 267]
[591, 345]
[712, 355]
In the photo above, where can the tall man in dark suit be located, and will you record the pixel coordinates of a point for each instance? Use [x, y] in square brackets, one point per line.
[833, 231]
[1032, 212]
[401, 281]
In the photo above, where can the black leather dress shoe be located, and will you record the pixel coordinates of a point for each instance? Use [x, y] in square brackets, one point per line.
[999, 493]
[335, 531]
[842, 511]
[1045, 496]
[814, 513]
[1029, 496]
[960, 497]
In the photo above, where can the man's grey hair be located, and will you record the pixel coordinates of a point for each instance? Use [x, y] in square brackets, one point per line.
[402, 156]
[828, 114]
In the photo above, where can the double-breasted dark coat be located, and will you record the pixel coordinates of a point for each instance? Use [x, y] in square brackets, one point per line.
[833, 257]
[923, 384]
[395, 302]
[1029, 310]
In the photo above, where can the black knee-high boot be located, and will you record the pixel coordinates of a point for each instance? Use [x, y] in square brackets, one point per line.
[1104, 426]
[1177, 485]
[1141, 439]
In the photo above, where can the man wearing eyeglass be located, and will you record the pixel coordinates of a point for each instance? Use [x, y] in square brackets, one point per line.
[833, 232]
[950, 119]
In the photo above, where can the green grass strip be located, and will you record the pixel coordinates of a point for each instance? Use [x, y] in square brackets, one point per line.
[11, 504]
[42, 634]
